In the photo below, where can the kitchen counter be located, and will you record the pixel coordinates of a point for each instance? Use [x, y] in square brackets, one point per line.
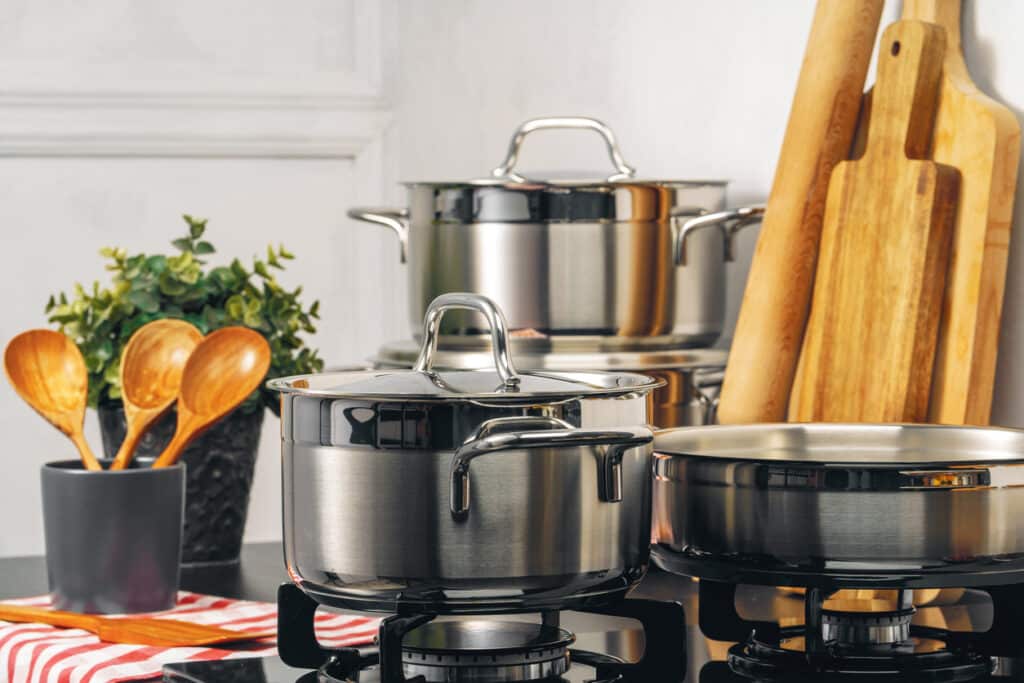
[256, 577]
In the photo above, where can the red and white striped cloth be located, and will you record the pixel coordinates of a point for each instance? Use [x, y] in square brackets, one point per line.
[35, 653]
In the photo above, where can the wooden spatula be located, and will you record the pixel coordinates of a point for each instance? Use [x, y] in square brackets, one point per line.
[869, 346]
[769, 332]
[136, 631]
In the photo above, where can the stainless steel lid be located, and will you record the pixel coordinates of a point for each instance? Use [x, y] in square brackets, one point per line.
[882, 445]
[507, 196]
[502, 384]
[563, 354]
[505, 176]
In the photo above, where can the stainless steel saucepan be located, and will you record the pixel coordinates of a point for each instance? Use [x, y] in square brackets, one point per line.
[851, 504]
[614, 256]
[465, 490]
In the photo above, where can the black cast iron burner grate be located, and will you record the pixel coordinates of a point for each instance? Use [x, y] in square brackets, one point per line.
[767, 652]
[664, 658]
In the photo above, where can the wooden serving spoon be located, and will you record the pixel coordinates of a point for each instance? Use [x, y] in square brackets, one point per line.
[48, 372]
[135, 631]
[151, 367]
[222, 371]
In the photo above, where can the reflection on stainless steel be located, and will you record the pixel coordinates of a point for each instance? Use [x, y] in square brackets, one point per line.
[375, 463]
[841, 497]
[570, 257]
[691, 377]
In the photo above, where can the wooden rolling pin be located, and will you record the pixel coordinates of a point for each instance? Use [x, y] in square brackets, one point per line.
[769, 332]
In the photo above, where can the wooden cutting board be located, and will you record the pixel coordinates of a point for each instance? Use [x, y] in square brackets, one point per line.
[822, 120]
[981, 138]
[869, 346]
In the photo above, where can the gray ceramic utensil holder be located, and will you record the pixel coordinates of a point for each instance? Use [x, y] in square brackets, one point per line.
[113, 539]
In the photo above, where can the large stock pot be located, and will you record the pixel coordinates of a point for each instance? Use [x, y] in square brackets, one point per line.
[388, 503]
[615, 256]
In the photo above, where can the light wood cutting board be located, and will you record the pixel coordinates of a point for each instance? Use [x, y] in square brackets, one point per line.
[981, 138]
[870, 341]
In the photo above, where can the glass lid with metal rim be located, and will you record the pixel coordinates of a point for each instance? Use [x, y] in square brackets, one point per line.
[874, 445]
[502, 384]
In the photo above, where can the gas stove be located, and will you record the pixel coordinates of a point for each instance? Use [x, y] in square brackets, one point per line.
[737, 633]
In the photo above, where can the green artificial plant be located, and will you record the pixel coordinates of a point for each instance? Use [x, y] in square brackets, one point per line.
[147, 287]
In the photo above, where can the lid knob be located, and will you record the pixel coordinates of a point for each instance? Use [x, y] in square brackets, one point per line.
[495, 319]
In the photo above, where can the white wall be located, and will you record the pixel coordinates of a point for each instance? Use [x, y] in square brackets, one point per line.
[268, 118]
[272, 118]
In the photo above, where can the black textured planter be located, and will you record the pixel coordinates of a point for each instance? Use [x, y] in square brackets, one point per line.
[220, 468]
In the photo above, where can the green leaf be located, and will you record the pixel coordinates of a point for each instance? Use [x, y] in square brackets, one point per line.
[239, 270]
[196, 226]
[170, 285]
[235, 307]
[144, 300]
[156, 264]
[183, 243]
[204, 248]
[260, 269]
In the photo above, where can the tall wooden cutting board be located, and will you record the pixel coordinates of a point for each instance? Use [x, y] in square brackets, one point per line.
[981, 138]
[870, 341]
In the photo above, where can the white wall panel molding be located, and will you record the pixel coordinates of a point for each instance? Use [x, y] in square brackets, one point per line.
[118, 78]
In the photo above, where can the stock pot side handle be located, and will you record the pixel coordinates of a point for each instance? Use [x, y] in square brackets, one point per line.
[728, 222]
[395, 219]
[616, 443]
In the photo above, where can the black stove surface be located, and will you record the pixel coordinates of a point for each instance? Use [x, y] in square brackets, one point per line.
[623, 638]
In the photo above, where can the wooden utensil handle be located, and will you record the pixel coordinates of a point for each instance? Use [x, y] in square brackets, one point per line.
[769, 332]
[88, 459]
[176, 447]
[25, 614]
[124, 453]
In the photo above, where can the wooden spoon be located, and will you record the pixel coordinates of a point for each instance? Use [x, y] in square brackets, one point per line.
[136, 631]
[151, 367]
[222, 371]
[48, 372]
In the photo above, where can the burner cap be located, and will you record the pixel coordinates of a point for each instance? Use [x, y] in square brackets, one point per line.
[866, 628]
[493, 651]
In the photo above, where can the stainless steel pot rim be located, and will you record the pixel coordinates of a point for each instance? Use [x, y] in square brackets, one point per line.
[561, 185]
[477, 354]
[871, 445]
[470, 385]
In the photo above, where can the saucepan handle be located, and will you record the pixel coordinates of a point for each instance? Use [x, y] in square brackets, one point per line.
[729, 222]
[395, 219]
[506, 170]
[513, 433]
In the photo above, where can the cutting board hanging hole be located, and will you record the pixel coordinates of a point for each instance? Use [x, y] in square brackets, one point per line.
[895, 50]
